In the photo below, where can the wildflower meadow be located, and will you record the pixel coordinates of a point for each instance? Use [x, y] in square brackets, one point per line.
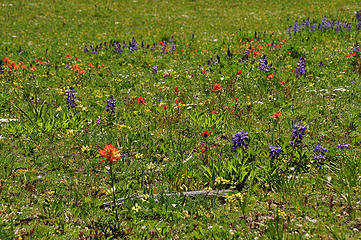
[180, 119]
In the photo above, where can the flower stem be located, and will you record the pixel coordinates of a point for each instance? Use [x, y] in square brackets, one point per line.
[113, 192]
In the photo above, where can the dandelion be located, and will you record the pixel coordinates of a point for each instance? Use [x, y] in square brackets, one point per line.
[240, 140]
[297, 135]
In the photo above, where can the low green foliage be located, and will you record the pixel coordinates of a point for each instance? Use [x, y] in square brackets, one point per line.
[246, 96]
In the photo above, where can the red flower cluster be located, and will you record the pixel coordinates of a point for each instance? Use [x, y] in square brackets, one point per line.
[141, 100]
[206, 134]
[277, 116]
[217, 87]
[110, 154]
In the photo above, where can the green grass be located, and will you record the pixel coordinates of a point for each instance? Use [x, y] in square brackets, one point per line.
[51, 184]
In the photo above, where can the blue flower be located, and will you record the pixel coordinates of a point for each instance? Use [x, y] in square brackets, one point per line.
[319, 158]
[274, 152]
[155, 69]
[263, 64]
[300, 70]
[343, 146]
[70, 98]
[110, 105]
[297, 135]
[240, 140]
[320, 149]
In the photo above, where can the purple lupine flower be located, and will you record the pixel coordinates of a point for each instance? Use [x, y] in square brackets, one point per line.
[320, 149]
[355, 48]
[289, 32]
[118, 48]
[155, 69]
[300, 70]
[240, 140]
[294, 28]
[297, 135]
[153, 47]
[358, 25]
[320, 158]
[163, 49]
[98, 121]
[263, 64]
[338, 26]
[173, 47]
[70, 98]
[85, 49]
[67, 66]
[313, 26]
[307, 22]
[110, 105]
[343, 146]
[348, 27]
[133, 45]
[20, 51]
[358, 16]
[274, 152]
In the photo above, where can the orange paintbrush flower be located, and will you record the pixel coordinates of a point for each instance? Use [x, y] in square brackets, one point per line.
[277, 116]
[217, 87]
[110, 154]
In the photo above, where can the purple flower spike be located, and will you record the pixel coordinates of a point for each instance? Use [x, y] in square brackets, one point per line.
[240, 140]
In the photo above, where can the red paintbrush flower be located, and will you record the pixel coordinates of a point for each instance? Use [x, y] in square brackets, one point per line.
[216, 87]
[141, 100]
[164, 107]
[110, 154]
[206, 134]
[239, 72]
[176, 89]
[277, 116]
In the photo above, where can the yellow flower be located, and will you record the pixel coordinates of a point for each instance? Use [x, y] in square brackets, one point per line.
[136, 208]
